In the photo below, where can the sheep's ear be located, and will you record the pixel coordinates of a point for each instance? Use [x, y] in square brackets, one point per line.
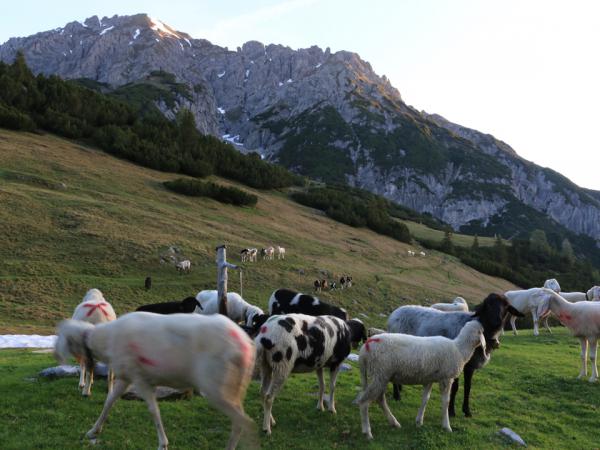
[515, 312]
[482, 340]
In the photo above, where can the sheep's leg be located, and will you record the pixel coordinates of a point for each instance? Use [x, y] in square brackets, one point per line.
[424, 400]
[266, 377]
[386, 411]
[321, 389]
[332, 380]
[110, 380]
[149, 395]
[513, 321]
[583, 371]
[536, 330]
[89, 380]
[275, 385]
[593, 346]
[240, 422]
[397, 388]
[546, 323]
[364, 419]
[111, 398]
[370, 392]
[445, 386]
[468, 371]
[81, 373]
[453, 392]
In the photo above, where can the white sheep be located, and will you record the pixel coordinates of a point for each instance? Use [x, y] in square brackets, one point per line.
[238, 309]
[583, 319]
[592, 294]
[184, 266]
[527, 301]
[211, 354]
[93, 309]
[552, 283]
[280, 252]
[407, 359]
[458, 304]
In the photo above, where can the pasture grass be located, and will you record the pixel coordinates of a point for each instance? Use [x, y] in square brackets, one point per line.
[423, 232]
[529, 386]
[73, 218]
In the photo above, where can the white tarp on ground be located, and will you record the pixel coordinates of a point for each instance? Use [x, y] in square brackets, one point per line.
[26, 341]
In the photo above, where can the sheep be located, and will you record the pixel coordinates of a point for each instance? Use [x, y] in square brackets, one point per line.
[267, 253]
[592, 294]
[422, 253]
[527, 301]
[280, 252]
[458, 304]
[423, 321]
[372, 331]
[210, 354]
[410, 359]
[582, 318]
[184, 266]
[93, 309]
[286, 301]
[295, 343]
[245, 254]
[187, 305]
[411, 253]
[552, 283]
[238, 309]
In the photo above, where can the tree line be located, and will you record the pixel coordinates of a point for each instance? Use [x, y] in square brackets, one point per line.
[68, 109]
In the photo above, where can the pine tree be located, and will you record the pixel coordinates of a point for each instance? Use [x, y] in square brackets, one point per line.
[475, 244]
[447, 244]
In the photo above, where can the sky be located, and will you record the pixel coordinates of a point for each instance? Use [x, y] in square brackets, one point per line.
[527, 72]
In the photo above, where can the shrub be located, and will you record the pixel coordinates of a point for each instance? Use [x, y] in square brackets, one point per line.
[223, 194]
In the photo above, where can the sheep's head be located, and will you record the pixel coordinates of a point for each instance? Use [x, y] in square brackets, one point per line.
[492, 314]
[594, 294]
[70, 340]
[552, 283]
[358, 332]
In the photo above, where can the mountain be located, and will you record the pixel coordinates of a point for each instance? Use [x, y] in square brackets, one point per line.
[327, 115]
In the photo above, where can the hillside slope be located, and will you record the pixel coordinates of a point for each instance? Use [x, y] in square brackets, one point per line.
[75, 218]
[327, 115]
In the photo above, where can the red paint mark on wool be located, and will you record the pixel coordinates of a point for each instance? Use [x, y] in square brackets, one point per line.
[136, 350]
[370, 341]
[263, 329]
[94, 306]
[564, 317]
[244, 346]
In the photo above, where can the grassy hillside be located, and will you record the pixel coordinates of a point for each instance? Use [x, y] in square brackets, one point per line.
[75, 218]
[423, 232]
[529, 386]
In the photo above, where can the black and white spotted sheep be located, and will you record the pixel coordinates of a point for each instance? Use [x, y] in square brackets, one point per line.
[295, 343]
[286, 301]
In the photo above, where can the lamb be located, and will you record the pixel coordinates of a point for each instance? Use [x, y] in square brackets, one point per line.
[208, 353]
[414, 360]
[527, 301]
[458, 304]
[93, 309]
[422, 321]
[294, 343]
[582, 318]
[238, 309]
[286, 301]
[187, 305]
[267, 253]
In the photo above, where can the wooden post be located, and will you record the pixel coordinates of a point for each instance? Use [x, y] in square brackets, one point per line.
[222, 266]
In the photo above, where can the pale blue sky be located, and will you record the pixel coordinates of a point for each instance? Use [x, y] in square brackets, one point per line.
[524, 71]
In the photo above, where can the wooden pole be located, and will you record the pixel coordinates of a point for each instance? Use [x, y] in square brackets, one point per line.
[222, 266]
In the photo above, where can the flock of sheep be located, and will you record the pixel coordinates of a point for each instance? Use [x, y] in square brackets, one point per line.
[188, 344]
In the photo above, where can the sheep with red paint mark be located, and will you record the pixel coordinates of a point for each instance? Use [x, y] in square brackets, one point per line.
[93, 309]
[208, 353]
[406, 359]
[582, 318]
[296, 343]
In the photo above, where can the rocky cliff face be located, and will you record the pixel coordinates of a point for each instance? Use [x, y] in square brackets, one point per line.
[327, 115]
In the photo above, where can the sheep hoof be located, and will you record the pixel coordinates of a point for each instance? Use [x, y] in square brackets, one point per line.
[448, 429]
[92, 438]
[419, 424]
[593, 379]
[396, 424]
[468, 414]
[581, 375]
